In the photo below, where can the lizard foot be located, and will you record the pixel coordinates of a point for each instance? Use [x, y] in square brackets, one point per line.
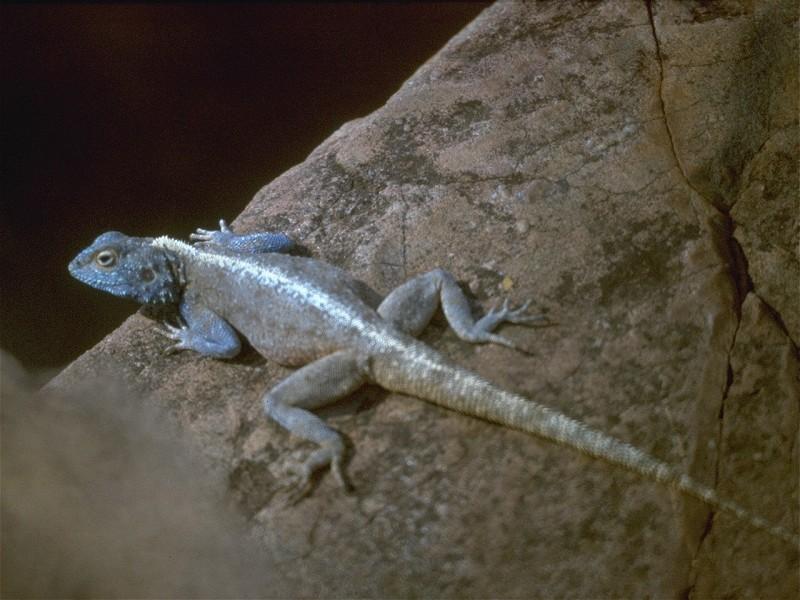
[249, 243]
[506, 314]
[482, 330]
[519, 315]
[330, 454]
[216, 341]
[210, 235]
[180, 334]
[300, 490]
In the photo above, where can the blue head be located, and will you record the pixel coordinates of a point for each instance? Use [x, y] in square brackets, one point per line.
[129, 267]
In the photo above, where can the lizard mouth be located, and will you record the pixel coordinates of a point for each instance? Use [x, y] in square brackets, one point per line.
[77, 268]
[74, 267]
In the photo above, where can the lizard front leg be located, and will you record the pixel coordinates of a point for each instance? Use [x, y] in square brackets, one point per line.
[411, 306]
[248, 243]
[315, 385]
[202, 330]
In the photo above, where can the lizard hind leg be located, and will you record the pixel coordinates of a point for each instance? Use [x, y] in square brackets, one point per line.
[411, 306]
[315, 385]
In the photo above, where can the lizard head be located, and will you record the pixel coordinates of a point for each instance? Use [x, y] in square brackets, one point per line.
[129, 267]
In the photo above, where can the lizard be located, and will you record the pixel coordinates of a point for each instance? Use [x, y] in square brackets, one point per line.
[306, 313]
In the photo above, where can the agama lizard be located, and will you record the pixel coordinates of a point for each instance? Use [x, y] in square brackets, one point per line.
[303, 312]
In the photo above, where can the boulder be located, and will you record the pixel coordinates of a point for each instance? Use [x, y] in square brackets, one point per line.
[631, 167]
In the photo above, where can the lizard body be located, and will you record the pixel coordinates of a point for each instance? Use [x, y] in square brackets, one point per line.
[300, 311]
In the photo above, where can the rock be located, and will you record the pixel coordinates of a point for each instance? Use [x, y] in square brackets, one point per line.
[103, 497]
[759, 410]
[649, 148]
[738, 146]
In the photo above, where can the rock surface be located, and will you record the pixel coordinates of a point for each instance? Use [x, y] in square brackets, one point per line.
[632, 167]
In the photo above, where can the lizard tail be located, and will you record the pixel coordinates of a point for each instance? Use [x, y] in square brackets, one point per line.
[428, 375]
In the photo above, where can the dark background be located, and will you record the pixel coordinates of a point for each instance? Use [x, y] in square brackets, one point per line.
[156, 119]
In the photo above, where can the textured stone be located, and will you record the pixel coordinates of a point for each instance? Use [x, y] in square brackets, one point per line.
[738, 146]
[649, 150]
[759, 414]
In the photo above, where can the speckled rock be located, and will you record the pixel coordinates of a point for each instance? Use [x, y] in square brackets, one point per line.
[631, 167]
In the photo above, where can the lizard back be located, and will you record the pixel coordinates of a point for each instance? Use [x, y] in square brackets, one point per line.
[291, 309]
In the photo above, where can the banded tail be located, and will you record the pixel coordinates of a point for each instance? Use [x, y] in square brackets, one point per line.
[424, 373]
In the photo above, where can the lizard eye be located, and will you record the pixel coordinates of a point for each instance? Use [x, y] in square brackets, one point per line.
[106, 259]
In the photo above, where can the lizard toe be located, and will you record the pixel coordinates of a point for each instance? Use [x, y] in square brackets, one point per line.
[300, 487]
[339, 474]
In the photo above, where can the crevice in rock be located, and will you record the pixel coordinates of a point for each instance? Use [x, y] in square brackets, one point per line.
[662, 104]
[733, 254]
[722, 229]
[776, 317]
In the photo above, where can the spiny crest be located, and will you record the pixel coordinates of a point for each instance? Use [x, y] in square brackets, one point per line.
[164, 241]
[233, 263]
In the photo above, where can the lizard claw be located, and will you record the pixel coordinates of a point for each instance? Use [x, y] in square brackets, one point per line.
[305, 482]
[178, 334]
[211, 235]
[518, 315]
[201, 235]
[301, 490]
[482, 330]
[501, 340]
[339, 475]
[331, 454]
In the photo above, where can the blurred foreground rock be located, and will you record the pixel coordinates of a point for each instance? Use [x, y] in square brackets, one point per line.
[104, 497]
[630, 166]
